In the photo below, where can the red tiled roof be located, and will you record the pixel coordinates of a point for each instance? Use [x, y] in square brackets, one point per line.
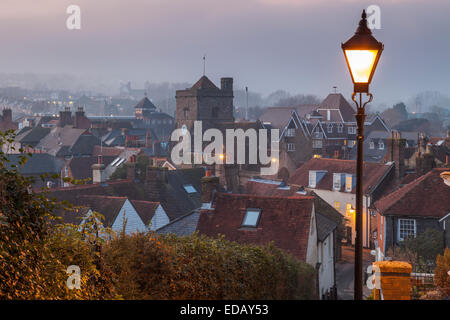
[373, 172]
[106, 151]
[427, 196]
[204, 83]
[285, 221]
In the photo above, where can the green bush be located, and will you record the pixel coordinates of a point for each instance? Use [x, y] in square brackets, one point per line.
[147, 266]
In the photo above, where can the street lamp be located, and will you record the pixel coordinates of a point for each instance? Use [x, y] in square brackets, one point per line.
[362, 53]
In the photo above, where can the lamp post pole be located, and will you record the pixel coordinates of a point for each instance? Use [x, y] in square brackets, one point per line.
[360, 118]
[362, 52]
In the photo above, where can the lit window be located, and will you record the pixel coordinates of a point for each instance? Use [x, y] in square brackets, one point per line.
[348, 183]
[189, 188]
[251, 217]
[337, 205]
[406, 228]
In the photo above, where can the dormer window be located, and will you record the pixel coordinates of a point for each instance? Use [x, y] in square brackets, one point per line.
[372, 145]
[315, 176]
[348, 183]
[351, 130]
[330, 128]
[340, 128]
[251, 218]
[381, 145]
[337, 181]
[312, 179]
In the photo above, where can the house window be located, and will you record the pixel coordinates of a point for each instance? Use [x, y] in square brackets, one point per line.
[312, 179]
[372, 145]
[340, 128]
[290, 132]
[337, 181]
[290, 147]
[381, 145]
[337, 205]
[251, 218]
[189, 188]
[317, 144]
[330, 128]
[348, 183]
[351, 130]
[406, 228]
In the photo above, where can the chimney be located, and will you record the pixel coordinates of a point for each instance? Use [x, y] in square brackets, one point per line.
[131, 168]
[157, 149]
[157, 175]
[226, 84]
[148, 140]
[7, 115]
[396, 152]
[78, 119]
[65, 117]
[210, 184]
[98, 171]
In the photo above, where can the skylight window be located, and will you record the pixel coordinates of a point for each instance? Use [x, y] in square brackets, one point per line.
[189, 188]
[251, 217]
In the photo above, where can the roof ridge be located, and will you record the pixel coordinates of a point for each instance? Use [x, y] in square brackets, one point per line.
[403, 191]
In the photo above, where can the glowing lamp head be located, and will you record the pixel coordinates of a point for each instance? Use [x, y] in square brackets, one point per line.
[362, 52]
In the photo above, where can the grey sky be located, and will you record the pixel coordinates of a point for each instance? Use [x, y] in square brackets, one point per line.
[264, 44]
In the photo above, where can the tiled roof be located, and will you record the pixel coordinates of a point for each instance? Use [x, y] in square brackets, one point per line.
[59, 137]
[204, 83]
[337, 101]
[81, 167]
[84, 145]
[172, 196]
[32, 136]
[145, 103]
[271, 188]
[106, 151]
[324, 226]
[304, 109]
[38, 163]
[285, 221]
[183, 226]
[372, 175]
[427, 196]
[145, 210]
[277, 116]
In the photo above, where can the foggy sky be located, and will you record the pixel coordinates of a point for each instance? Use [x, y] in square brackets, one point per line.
[264, 44]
